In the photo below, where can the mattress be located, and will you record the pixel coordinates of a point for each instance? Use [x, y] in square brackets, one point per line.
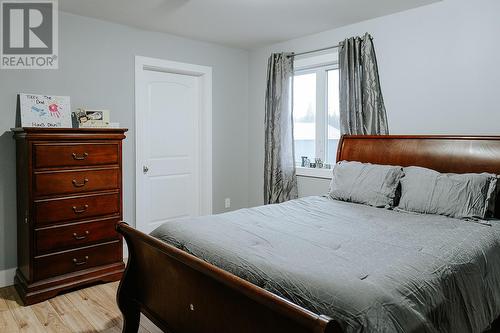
[371, 269]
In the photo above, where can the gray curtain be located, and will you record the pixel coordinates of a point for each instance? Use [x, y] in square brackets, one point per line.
[362, 109]
[280, 181]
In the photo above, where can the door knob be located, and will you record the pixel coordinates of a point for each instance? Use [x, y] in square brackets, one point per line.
[145, 169]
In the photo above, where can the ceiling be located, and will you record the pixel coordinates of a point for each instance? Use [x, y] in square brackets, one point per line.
[240, 23]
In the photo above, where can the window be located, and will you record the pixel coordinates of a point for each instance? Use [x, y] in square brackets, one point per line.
[333, 116]
[316, 116]
[304, 115]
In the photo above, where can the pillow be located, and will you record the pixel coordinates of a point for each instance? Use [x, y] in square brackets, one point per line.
[493, 200]
[466, 195]
[365, 183]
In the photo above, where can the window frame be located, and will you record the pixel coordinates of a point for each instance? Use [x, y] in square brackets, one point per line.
[320, 68]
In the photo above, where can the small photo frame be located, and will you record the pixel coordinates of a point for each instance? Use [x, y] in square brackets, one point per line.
[84, 118]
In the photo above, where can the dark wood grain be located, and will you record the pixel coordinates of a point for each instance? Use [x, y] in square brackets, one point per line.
[35, 292]
[194, 296]
[60, 263]
[58, 238]
[24, 232]
[67, 203]
[50, 155]
[75, 181]
[53, 211]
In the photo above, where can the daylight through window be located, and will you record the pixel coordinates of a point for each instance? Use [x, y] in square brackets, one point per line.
[316, 114]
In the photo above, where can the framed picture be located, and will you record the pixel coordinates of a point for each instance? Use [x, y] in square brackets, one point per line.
[92, 118]
[44, 111]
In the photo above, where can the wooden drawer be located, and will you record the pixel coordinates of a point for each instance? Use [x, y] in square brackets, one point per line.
[54, 211]
[75, 260]
[74, 154]
[74, 235]
[68, 182]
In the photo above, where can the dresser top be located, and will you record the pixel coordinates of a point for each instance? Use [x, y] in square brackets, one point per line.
[67, 130]
[68, 133]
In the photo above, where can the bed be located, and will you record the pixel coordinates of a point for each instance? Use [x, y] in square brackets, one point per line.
[288, 268]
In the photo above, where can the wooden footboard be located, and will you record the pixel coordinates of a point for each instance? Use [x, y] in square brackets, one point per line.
[183, 294]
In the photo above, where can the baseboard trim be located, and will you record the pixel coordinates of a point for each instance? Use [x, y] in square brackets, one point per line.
[7, 277]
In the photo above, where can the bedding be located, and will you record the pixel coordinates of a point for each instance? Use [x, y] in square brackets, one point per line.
[366, 183]
[372, 269]
[469, 195]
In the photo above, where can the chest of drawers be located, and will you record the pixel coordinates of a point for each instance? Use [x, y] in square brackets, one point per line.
[69, 197]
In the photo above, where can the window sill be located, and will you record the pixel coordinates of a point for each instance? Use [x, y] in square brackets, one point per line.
[314, 173]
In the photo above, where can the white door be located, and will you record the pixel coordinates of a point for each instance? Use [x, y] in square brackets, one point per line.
[169, 119]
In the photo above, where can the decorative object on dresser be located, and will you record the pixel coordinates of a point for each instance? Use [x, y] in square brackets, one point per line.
[69, 197]
[43, 111]
[84, 118]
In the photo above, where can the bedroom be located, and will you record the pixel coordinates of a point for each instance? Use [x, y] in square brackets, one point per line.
[436, 61]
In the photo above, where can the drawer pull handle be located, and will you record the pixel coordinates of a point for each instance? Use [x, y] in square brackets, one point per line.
[77, 184]
[80, 210]
[75, 236]
[80, 158]
[79, 263]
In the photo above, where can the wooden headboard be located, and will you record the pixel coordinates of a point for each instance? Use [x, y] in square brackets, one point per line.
[457, 154]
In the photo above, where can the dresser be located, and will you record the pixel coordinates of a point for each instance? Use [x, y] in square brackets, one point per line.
[69, 200]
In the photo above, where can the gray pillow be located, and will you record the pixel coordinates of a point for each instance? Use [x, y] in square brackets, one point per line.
[365, 183]
[493, 200]
[466, 195]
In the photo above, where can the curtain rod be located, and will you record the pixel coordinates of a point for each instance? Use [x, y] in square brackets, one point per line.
[314, 51]
[322, 49]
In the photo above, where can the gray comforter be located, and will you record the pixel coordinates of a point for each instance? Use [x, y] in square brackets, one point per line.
[372, 269]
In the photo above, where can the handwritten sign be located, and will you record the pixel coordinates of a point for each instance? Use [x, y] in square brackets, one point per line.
[45, 111]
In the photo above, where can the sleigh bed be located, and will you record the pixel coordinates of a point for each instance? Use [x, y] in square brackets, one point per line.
[235, 279]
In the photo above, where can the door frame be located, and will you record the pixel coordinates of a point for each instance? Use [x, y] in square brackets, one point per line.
[204, 74]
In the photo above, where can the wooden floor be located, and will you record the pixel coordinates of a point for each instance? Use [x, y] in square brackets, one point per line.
[87, 310]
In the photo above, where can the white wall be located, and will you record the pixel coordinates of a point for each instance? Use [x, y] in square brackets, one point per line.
[439, 73]
[97, 71]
